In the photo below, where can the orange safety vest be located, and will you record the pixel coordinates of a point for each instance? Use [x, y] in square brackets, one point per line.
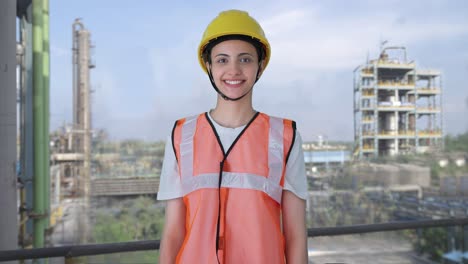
[237, 220]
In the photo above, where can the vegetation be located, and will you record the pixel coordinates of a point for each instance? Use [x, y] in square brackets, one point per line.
[430, 242]
[433, 242]
[139, 219]
[453, 145]
[457, 143]
[346, 208]
[130, 158]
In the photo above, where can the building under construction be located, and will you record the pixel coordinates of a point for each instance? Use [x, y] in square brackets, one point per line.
[397, 107]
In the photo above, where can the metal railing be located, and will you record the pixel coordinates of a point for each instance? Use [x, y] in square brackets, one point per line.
[100, 249]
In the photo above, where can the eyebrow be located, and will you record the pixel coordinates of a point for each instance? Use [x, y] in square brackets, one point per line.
[240, 54]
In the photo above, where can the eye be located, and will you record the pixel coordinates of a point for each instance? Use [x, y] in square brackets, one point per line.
[245, 60]
[221, 60]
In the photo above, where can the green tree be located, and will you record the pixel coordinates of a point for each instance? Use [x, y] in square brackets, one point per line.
[432, 242]
[138, 220]
[456, 143]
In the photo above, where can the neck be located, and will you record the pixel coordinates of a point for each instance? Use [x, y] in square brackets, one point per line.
[233, 113]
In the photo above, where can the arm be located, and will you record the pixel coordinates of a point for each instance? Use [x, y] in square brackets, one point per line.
[293, 205]
[294, 228]
[170, 189]
[174, 231]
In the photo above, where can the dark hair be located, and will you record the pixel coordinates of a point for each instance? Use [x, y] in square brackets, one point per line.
[206, 54]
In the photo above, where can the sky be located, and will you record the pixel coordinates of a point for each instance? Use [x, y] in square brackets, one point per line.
[147, 74]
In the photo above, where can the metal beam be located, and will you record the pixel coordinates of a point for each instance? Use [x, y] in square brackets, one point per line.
[78, 251]
[384, 227]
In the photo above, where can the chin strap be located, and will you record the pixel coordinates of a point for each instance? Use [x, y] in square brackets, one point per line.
[225, 97]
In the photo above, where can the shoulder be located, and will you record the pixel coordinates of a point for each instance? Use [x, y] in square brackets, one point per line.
[285, 121]
[186, 120]
[189, 122]
[182, 120]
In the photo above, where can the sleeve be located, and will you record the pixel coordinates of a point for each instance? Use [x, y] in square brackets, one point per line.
[295, 178]
[170, 186]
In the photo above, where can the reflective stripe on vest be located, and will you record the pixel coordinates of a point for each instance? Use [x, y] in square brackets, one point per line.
[251, 190]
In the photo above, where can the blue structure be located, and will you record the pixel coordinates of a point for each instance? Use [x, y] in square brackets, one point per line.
[327, 156]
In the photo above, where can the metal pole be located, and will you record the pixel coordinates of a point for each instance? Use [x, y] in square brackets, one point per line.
[74, 82]
[465, 239]
[8, 202]
[28, 126]
[326, 153]
[39, 144]
[85, 79]
[21, 174]
[355, 86]
[418, 242]
[441, 115]
[376, 111]
[46, 79]
[57, 185]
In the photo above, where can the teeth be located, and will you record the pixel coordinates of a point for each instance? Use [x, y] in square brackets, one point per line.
[233, 82]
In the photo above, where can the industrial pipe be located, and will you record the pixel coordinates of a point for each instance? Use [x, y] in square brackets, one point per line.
[39, 211]
[46, 79]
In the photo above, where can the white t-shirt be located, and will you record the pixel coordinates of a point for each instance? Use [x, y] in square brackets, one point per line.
[295, 179]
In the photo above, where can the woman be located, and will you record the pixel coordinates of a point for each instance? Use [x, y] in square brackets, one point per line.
[234, 178]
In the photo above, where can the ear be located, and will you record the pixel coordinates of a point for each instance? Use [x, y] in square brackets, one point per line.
[261, 68]
[207, 65]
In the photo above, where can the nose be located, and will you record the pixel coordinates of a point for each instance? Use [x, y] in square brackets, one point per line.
[235, 67]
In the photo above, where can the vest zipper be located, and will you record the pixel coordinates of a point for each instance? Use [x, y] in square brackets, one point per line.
[220, 179]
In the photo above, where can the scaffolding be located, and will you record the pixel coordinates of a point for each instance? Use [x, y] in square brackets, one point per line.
[397, 107]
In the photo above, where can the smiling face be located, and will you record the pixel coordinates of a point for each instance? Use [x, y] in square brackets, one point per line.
[234, 66]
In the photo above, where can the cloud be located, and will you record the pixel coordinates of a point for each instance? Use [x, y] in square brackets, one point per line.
[315, 48]
[285, 21]
[302, 40]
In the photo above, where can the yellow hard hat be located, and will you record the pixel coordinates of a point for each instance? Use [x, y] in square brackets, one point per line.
[233, 22]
